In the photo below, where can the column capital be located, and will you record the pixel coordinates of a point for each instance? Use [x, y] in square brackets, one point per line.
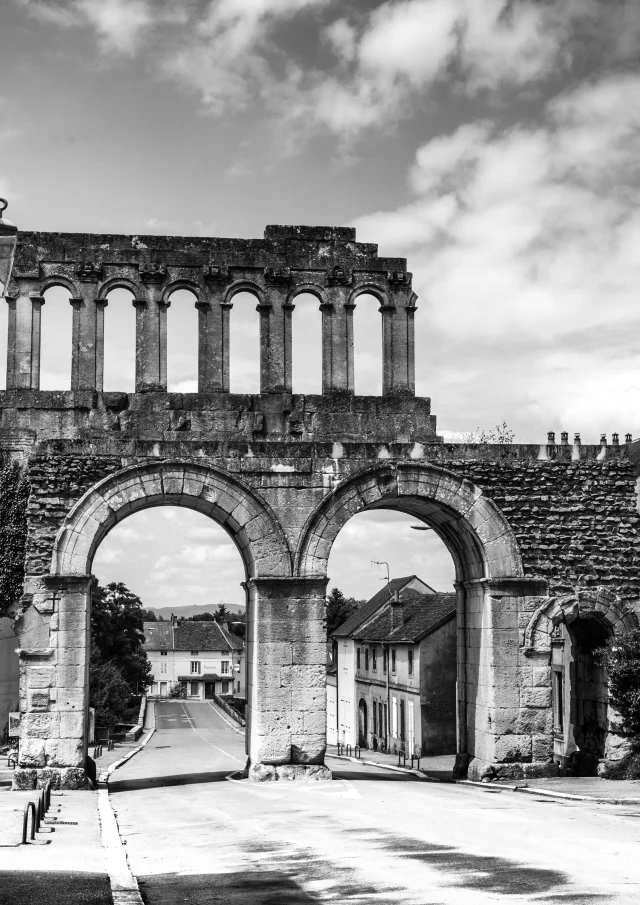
[290, 586]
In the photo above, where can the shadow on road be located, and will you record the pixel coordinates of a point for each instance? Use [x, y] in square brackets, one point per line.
[157, 782]
[44, 887]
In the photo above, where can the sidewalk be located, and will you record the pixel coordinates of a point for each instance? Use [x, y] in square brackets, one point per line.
[439, 769]
[579, 788]
[65, 862]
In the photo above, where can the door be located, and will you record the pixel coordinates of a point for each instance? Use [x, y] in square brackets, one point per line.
[209, 690]
[163, 689]
[410, 728]
[362, 723]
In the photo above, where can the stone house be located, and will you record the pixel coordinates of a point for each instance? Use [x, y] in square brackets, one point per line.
[203, 657]
[405, 679]
[395, 671]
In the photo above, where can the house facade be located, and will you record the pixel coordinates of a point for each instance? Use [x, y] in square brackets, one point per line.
[396, 671]
[203, 658]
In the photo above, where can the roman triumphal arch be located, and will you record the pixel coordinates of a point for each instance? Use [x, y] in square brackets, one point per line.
[527, 526]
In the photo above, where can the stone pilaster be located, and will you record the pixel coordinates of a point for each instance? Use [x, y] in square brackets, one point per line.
[286, 678]
[54, 684]
[275, 340]
[23, 343]
[213, 343]
[337, 341]
[151, 335]
[87, 357]
[398, 355]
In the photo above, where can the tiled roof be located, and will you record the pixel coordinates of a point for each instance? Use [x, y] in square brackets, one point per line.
[368, 609]
[423, 613]
[200, 636]
[157, 636]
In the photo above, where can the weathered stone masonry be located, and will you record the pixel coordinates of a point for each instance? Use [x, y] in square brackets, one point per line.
[534, 530]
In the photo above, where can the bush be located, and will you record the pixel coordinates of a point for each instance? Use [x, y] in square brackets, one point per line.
[621, 659]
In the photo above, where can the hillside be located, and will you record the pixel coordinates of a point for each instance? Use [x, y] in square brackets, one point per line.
[166, 611]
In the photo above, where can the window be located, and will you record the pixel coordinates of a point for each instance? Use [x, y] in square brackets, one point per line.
[163, 668]
[195, 667]
[382, 720]
[366, 659]
[224, 667]
[163, 653]
[393, 659]
[358, 659]
[558, 701]
[194, 688]
[225, 688]
[195, 653]
[238, 689]
[384, 661]
[374, 663]
[375, 719]
[410, 662]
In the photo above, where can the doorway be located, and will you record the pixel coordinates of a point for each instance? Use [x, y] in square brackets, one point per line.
[362, 723]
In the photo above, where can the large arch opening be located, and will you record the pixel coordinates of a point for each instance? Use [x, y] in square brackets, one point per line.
[418, 655]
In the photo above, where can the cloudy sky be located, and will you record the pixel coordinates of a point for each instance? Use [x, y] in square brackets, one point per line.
[494, 144]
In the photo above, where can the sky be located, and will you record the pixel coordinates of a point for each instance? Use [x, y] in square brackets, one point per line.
[493, 143]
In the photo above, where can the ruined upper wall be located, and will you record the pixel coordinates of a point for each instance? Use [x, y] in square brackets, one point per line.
[324, 261]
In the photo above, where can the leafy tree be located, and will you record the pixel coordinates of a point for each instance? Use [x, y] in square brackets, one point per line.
[119, 666]
[621, 659]
[222, 613]
[339, 608]
[150, 616]
[203, 617]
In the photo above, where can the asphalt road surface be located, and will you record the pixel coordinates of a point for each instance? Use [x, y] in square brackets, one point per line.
[371, 836]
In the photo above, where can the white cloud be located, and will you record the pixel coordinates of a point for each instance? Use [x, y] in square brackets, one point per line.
[524, 246]
[376, 64]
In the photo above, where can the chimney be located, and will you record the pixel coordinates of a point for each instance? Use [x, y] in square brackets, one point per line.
[397, 611]
[174, 620]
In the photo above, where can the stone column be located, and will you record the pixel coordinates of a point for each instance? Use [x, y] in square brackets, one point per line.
[54, 683]
[275, 341]
[337, 341]
[398, 351]
[87, 358]
[151, 335]
[286, 678]
[213, 343]
[23, 342]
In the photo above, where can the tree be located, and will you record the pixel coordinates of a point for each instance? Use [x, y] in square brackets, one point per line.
[203, 617]
[119, 665]
[222, 613]
[339, 608]
[621, 659]
[150, 616]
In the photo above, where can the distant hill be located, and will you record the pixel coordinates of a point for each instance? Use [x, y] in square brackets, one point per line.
[166, 611]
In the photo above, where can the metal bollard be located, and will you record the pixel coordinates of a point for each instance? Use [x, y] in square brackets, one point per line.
[357, 751]
[29, 806]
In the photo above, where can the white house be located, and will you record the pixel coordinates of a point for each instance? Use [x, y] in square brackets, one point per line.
[346, 706]
[203, 657]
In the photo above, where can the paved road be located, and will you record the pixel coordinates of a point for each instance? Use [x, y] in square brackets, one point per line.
[368, 837]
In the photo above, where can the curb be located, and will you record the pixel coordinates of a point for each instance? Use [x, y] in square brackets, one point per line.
[103, 778]
[124, 886]
[394, 769]
[561, 796]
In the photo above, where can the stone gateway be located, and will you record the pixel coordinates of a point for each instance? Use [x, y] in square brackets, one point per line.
[540, 535]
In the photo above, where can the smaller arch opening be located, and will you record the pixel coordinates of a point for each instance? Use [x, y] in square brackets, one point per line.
[56, 339]
[244, 344]
[182, 342]
[120, 341]
[580, 696]
[367, 346]
[306, 343]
